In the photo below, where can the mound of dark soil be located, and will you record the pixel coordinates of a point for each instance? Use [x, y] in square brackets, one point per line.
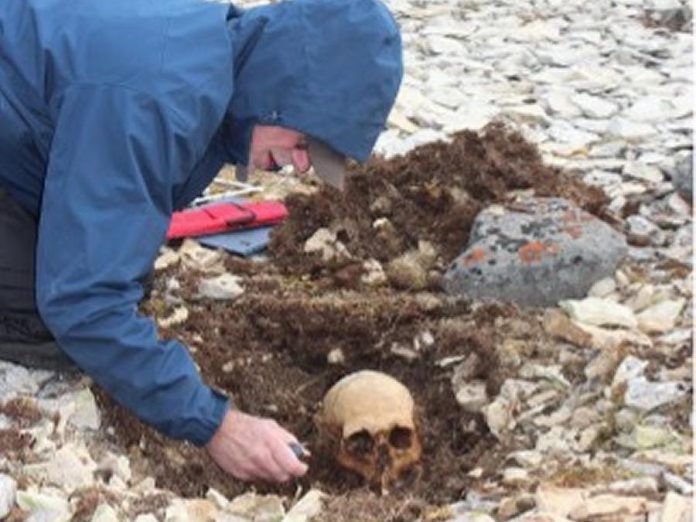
[431, 194]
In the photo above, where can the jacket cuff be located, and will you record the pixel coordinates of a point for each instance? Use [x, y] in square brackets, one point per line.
[209, 425]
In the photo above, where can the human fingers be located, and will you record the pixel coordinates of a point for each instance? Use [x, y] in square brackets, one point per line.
[301, 160]
[265, 460]
[286, 454]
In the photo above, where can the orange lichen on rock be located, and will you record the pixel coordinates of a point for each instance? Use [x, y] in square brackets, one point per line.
[533, 251]
[474, 257]
[574, 231]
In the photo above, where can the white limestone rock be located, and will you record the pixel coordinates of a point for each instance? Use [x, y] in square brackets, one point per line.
[595, 106]
[676, 508]
[642, 171]
[44, 504]
[71, 467]
[257, 507]
[630, 130]
[16, 380]
[308, 507]
[224, 287]
[190, 510]
[660, 317]
[444, 45]
[471, 396]
[599, 312]
[8, 491]
[105, 513]
[646, 395]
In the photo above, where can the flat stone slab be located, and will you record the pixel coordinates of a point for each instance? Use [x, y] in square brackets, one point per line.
[535, 253]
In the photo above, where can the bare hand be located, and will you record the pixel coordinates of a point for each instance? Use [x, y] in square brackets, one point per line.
[255, 448]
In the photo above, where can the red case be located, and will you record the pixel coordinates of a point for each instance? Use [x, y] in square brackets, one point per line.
[224, 217]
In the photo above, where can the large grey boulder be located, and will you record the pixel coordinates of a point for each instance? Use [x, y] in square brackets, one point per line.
[539, 252]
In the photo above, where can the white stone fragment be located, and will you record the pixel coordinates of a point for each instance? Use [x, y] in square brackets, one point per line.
[595, 106]
[630, 368]
[607, 506]
[500, 413]
[196, 257]
[49, 505]
[527, 458]
[602, 288]
[147, 517]
[499, 416]
[646, 395]
[324, 242]
[373, 274]
[472, 516]
[224, 287]
[644, 486]
[606, 339]
[105, 513]
[599, 312]
[116, 465]
[308, 507]
[676, 508]
[678, 484]
[336, 356]
[641, 171]
[641, 231]
[472, 396]
[642, 298]
[660, 317]
[557, 442]
[71, 467]
[551, 373]
[86, 415]
[444, 45]
[167, 258]
[257, 507]
[515, 476]
[527, 114]
[399, 120]
[557, 500]
[646, 437]
[474, 115]
[178, 316]
[8, 491]
[630, 130]
[16, 380]
[652, 109]
[190, 510]
[558, 101]
[661, 5]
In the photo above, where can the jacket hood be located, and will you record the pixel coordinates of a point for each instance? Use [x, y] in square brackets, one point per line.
[328, 68]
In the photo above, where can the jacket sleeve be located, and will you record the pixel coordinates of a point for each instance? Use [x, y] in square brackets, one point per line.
[105, 210]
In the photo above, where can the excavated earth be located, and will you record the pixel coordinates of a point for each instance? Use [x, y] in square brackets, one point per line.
[269, 349]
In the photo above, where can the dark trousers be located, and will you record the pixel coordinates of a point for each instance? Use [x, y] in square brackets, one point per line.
[23, 336]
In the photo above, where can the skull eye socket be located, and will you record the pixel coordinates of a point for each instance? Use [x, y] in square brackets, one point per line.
[360, 443]
[400, 438]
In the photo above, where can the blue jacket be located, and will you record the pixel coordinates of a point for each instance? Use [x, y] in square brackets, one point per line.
[115, 114]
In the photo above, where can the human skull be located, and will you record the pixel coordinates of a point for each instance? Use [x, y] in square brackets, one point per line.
[370, 418]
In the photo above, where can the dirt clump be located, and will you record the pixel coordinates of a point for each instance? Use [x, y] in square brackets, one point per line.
[22, 410]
